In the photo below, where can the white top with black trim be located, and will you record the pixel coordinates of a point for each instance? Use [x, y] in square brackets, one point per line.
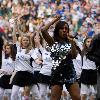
[37, 54]
[88, 64]
[78, 65]
[8, 65]
[47, 63]
[22, 62]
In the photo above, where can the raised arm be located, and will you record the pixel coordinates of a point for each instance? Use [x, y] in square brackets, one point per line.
[45, 33]
[14, 33]
[16, 26]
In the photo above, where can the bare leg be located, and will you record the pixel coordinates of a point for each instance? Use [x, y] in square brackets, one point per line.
[75, 91]
[27, 92]
[83, 97]
[56, 92]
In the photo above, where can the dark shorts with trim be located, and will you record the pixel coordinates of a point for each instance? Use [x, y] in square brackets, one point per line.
[64, 74]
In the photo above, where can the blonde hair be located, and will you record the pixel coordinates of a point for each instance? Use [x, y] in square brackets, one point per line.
[29, 47]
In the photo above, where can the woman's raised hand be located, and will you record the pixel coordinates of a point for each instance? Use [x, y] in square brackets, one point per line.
[57, 17]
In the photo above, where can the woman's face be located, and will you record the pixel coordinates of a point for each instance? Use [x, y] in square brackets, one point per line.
[25, 42]
[6, 30]
[63, 32]
[7, 50]
[37, 38]
[88, 42]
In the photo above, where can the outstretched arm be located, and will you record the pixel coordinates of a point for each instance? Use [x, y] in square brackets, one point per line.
[45, 33]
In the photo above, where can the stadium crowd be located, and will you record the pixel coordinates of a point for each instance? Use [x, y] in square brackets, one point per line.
[27, 67]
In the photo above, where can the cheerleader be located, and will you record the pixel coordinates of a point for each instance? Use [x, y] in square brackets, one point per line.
[7, 68]
[63, 50]
[45, 74]
[42, 66]
[94, 55]
[23, 74]
[37, 42]
[88, 75]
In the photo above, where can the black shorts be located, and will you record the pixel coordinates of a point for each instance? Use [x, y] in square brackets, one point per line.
[23, 78]
[89, 77]
[4, 82]
[44, 79]
[36, 77]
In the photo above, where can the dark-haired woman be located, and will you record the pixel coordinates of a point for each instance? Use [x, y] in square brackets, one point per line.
[63, 50]
[89, 74]
[37, 42]
[94, 55]
[42, 67]
[7, 68]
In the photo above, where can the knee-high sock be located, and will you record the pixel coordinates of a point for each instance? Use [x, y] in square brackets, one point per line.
[36, 92]
[14, 94]
[1, 93]
[43, 91]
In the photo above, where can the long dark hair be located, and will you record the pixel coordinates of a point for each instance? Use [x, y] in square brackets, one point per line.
[13, 53]
[41, 39]
[94, 50]
[85, 48]
[58, 26]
